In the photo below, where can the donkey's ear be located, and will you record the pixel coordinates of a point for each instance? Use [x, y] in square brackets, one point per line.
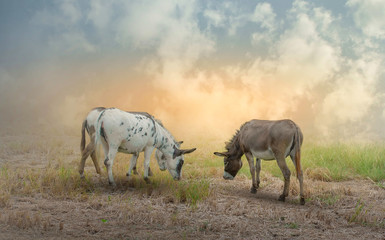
[224, 154]
[180, 142]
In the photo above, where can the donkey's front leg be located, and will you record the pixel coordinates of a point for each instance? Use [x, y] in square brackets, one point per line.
[147, 158]
[258, 170]
[250, 159]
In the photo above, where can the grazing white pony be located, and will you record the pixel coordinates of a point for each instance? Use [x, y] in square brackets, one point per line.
[120, 131]
[89, 125]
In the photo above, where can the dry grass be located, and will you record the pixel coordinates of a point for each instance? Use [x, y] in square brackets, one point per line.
[42, 196]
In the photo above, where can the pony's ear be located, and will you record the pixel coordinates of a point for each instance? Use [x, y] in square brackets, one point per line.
[186, 151]
[178, 152]
[222, 154]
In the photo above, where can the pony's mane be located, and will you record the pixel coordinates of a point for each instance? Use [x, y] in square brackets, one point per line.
[161, 124]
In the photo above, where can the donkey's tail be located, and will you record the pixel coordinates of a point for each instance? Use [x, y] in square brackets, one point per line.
[298, 140]
[83, 139]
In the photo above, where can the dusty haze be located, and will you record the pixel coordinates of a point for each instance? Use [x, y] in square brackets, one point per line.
[202, 68]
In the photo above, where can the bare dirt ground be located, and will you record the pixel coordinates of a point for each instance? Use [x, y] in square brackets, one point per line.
[352, 209]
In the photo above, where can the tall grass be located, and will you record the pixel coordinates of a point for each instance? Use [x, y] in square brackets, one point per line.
[347, 160]
[324, 161]
[62, 180]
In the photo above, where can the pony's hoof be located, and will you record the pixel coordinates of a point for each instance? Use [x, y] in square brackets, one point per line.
[281, 198]
[302, 201]
[253, 190]
[147, 180]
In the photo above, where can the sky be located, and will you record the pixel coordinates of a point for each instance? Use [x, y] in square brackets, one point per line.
[202, 67]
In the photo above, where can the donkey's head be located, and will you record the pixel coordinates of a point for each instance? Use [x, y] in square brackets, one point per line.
[232, 164]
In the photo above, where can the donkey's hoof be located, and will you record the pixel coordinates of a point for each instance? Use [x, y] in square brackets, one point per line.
[150, 174]
[253, 190]
[135, 172]
[302, 201]
[281, 198]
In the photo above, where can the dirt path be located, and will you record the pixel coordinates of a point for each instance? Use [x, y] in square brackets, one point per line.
[231, 213]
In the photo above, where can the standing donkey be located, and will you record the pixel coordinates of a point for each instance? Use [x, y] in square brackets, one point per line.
[89, 125]
[120, 131]
[268, 140]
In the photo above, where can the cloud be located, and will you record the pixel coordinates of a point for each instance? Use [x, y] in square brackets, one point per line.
[170, 30]
[214, 17]
[369, 16]
[100, 14]
[265, 16]
[61, 29]
[205, 65]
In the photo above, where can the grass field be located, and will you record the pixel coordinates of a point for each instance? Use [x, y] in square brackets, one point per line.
[41, 169]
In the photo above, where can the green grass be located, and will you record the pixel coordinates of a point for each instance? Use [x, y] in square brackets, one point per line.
[326, 161]
[63, 181]
[347, 160]
[322, 161]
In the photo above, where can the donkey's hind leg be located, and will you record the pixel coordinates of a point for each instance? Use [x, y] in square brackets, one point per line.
[286, 174]
[300, 179]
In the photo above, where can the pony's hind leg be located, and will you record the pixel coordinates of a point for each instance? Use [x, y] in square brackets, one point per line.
[86, 152]
[95, 160]
[108, 162]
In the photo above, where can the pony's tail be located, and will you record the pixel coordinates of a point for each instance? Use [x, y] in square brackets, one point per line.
[298, 151]
[83, 139]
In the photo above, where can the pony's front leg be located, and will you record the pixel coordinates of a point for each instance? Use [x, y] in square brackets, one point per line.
[250, 159]
[132, 164]
[147, 158]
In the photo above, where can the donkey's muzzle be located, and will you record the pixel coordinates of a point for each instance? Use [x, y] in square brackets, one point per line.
[227, 176]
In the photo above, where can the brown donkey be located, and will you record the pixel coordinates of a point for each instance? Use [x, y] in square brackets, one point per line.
[268, 140]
